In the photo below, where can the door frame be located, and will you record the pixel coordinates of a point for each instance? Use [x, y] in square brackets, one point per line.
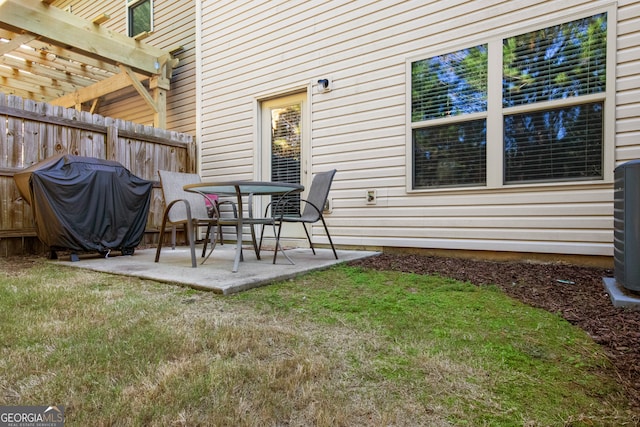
[260, 172]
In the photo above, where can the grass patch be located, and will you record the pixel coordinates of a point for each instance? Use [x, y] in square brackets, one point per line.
[343, 346]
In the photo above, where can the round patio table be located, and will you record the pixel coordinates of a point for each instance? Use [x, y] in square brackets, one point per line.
[241, 189]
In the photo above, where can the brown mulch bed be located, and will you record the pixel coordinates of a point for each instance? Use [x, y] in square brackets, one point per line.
[573, 292]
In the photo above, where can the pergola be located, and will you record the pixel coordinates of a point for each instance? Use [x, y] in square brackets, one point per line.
[47, 54]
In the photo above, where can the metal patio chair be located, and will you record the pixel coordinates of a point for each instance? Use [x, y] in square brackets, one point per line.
[313, 206]
[188, 209]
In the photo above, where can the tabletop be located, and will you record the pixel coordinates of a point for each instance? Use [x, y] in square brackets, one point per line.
[245, 187]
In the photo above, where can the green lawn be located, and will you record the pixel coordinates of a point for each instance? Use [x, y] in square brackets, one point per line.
[341, 347]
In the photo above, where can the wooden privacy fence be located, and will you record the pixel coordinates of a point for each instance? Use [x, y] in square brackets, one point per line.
[33, 131]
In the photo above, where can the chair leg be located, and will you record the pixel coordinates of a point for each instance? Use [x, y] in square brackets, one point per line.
[253, 241]
[216, 214]
[278, 245]
[308, 238]
[213, 246]
[262, 230]
[187, 237]
[221, 236]
[261, 236]
[164, 224]
[190, 231]
[275, 250]
[206, 240]
[329, 237]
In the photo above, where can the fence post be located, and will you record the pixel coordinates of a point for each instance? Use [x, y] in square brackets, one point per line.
[111, 142]
[192, 156]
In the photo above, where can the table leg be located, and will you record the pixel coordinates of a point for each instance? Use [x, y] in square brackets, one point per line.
[236, 262]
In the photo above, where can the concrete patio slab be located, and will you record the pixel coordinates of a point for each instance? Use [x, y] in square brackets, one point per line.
[215, 274]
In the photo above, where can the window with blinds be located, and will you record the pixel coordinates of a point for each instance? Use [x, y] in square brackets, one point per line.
[449, 153]
[450, 85]
[550, 112]
[559, 62]
[564, 62]
[554, 145]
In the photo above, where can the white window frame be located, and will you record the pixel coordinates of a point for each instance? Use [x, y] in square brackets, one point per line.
[495, 111]
[131, 4]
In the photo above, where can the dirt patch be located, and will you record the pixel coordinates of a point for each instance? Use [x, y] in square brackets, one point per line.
[15, 265]
[576, 293]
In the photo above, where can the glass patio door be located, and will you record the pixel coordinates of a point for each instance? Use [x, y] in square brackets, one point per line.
[284, 137]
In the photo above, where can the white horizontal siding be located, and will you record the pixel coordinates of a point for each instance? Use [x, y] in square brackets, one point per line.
[257, 48]
[628, 82]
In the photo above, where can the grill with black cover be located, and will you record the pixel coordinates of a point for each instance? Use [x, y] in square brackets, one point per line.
[85, 204]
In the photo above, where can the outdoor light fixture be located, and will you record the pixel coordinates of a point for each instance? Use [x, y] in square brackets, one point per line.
[324, 85]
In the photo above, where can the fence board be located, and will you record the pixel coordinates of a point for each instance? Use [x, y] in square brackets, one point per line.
[48, 140]
[98, 139]
[33, 131]
[14, 136]
[4, 145]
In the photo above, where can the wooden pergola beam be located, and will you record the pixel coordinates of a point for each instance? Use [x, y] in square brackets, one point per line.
[142, 91]
[46, 74]
[40, 49]
[50, 23]
[67, 61]
[23, 85]
[15, 43]
[96, 90]
[101, 19]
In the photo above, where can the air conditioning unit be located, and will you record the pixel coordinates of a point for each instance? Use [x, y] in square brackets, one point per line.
[626, 225]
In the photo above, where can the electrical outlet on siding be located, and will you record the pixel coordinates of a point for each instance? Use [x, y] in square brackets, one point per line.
[376, 196]
[328, 206]
[372, 197]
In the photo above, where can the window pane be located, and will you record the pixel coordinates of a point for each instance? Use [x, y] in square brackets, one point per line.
[140, 18]
[450, 84]
[554, 145]
[555, 63]
[286, 141]
[451, 155]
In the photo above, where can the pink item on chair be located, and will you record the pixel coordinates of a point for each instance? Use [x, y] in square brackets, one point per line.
[209, 201]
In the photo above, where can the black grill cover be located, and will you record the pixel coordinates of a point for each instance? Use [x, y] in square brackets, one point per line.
[86, 204]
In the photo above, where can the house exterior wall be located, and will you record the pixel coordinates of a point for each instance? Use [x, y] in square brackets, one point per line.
[255, 50]
[174, 25]
[628, 82]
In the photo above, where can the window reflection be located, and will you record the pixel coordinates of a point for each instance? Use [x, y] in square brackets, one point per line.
[554, 145]
[450, 155]
[450, 84]
[558, 62]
